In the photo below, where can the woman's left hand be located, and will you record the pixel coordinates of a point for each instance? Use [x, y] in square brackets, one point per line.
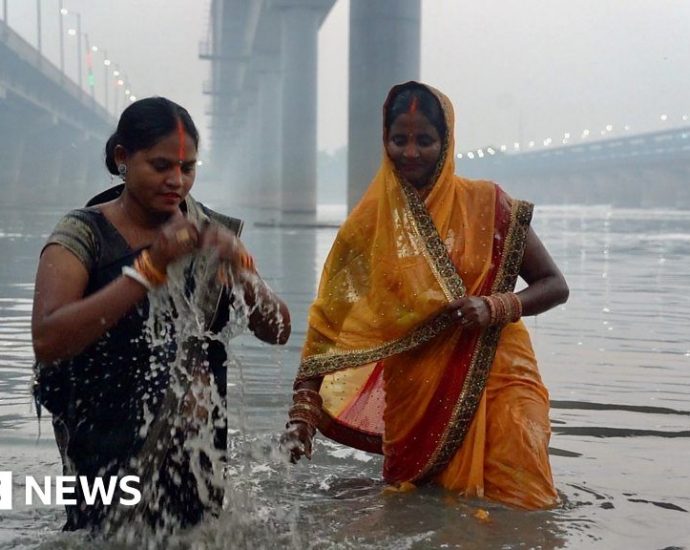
[271, 321]
[470, 312]
[229, 247]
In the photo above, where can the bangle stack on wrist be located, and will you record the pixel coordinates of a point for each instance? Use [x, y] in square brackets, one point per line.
[306, 408]
[144, 272]
[144, 265]
[503, 308]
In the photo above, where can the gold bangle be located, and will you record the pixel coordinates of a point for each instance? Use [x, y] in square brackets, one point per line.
[157, 273]
[308, 419]
[307, 396]
[306, 407]
[502, 315]
[144, 265]
[516, 304]
[492, 310]
[305, 411]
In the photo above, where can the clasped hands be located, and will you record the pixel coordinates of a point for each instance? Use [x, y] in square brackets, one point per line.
[179, 237]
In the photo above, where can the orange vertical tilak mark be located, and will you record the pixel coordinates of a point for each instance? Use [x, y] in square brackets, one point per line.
[180, 149]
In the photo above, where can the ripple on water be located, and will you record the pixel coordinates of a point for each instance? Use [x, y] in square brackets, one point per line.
[615, 359]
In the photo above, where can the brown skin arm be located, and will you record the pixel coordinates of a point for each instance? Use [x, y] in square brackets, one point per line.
[546, 287]
[297, 437]
[63, 322]
[270, 321]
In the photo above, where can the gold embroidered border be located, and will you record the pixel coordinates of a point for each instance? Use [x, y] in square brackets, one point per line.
[482, 359]
[326, 363]
[448, 278]
[511, 261]
[441, 264]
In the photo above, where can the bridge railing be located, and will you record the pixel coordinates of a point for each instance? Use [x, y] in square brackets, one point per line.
[26, 52]
[662, 145]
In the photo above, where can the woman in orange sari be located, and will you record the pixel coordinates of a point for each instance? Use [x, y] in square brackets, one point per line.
[415, 348]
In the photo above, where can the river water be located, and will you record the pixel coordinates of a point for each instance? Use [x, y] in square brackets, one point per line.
[616, 360]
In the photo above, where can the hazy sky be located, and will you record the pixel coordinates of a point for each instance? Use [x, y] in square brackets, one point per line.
[516, 71]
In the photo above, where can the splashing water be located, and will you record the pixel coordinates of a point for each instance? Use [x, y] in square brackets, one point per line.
[181, 464]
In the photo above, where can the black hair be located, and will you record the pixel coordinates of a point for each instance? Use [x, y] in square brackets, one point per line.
[145, 122]
[427, 103]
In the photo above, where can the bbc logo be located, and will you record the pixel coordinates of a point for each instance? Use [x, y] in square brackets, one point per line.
[5, 490]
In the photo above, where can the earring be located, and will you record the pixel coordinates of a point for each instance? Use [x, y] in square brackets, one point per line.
[122, 170]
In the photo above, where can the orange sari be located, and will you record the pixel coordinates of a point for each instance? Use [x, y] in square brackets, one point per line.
[464, 408]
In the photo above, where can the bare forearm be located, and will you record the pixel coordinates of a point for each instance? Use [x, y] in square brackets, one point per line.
[544, 294]
[270, 318]
[73, 327]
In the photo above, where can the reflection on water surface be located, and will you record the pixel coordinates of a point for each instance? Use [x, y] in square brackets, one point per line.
[615, 359]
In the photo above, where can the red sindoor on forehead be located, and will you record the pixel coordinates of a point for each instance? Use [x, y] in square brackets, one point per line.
[180, 137]
[414, 103]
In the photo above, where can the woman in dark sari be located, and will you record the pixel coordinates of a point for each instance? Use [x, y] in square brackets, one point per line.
[128, 389]
[415, 347]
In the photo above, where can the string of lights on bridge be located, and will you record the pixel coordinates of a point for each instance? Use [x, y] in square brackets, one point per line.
[567, 139]
[109, 66]
[87, 54]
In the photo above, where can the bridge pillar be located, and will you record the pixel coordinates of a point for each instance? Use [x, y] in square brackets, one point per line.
[224, 155]
[255, 150]
[384, 50]
[230, 165]
[233, 163]
[269, 124]
[243, 157]
[243, 165]
[300, 21]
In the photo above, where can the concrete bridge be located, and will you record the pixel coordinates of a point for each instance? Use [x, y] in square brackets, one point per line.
[51, 131]
[646, 170]
[263, 56]
[263, 85]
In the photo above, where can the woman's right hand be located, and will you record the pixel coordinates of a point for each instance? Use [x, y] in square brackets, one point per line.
[177, 238]
[297, 440]
[470, 312]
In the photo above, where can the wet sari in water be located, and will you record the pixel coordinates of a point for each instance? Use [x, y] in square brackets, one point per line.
[465, 408]
[114, 409]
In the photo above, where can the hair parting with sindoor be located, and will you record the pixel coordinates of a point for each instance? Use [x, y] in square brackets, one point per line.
[413, 97]
[144, 123]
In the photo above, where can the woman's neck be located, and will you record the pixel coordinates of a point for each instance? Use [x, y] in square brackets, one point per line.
[136, 214]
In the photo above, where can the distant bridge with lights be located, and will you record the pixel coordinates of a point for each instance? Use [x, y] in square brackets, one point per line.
[52, 132]
[263, 56]
[651, 169]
